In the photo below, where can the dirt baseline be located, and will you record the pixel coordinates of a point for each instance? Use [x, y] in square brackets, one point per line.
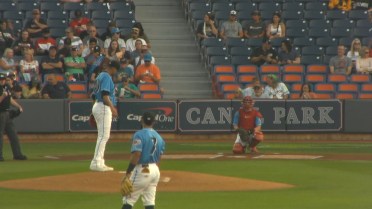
[171, 181]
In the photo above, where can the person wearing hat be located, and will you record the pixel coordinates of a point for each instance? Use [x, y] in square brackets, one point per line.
[104, 110]
[23, 43]
[36, 24]
[6, 122]
[264, 54]
[126, 69]
[80, 24]
[276, 89]
[140, 59]
[75, 40]
[147, 72]
[207, 28]
[255, 28]
[247, 122]
[231, 28]
[276, 29]
[143, 168]
[75, 65]
[42, 44]
[115, 36]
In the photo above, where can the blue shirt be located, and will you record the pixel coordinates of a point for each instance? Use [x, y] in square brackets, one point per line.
[104, 83]
[150, 144]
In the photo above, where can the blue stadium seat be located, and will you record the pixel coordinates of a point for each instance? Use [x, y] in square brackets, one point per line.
[13, 15]
[232, 42]
[57, 23]
[310, 59]
[102, 23]
[303, 41]
[216, 51]
[312, 50]
[8, 6]
[296, 24]
[336, 14]
[365, 41]
[50, 6]
[364, 23]
[313, 14]
[292, 15]
[219, 60]
[119, 14]
[331, 50]
[199, 6]
[317, 6]
[362, 32]
[246, 6]
[293, 6]
[269, 7]
[240, 60]
[358, 14]
[296, 32]
[315, 23]
[196, 15]
[58, 14]
[119, 5]
[73, 6]
[124, 23]
[344, 23]
[341, 32]
[212, 42]
[57, 32]
[319, 32]
[222, 6]
[240, 51]
[254, 42]
[277, 42]
[327, 58]
[346, 41]
[93, 6]
[27, 6]
[106, 15]
[326, 41]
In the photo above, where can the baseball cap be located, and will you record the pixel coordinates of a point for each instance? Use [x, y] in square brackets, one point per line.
[2, 76]
[115, 30]
[147, 57]
[114, 64]
[97, 49]
[148, 118]
[233, 12]
[274, 77]
[256, 12]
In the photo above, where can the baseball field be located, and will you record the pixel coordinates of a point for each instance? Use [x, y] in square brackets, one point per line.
[196, 174]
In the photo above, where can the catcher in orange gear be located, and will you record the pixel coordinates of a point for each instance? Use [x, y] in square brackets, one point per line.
[247, 122]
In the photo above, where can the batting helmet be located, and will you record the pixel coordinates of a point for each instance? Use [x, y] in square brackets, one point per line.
[238, 148]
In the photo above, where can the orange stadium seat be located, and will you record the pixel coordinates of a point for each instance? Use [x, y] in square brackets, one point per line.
[75, 95]
[365, 96]
[268, 69]
[246, 79]
[292, 78]
[247, 69]
[229, 87]
[348, 87]
[337, 78]
[293, 69]
[315, 78]
[151, 96]
[360, 78]
[325, 95]
[345, 95]
[223, 69]
[148, 87]
[320, 69]
[294, 96]
[324, 87]
[296, 87]
[366, 87]
[77, 87]
[229, 95]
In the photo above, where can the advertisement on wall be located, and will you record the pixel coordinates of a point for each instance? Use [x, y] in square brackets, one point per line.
[130, 114]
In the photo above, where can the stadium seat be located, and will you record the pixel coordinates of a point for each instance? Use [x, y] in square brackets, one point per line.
[120, 5]
[102, 23]
[95, 15]
[326, 41]
[296, 24]
[242, 51]
[59, 77]
[225, 78]
[263, 77]
[360, 78]
[292, 78]
[254, 42]
[341, 32]
[77, 95]
[296, 32]
[247, 69]
[58, 14]
[57, 23]
[336, 14]
[313, 14]
[363, 23]
[57, 32]
[270, 7]
[362, 32]
[268, 69]
[303, 41]
[73, 6]
[240, 60]
[215, 51]
[205, 7]
[317, 6]
[337, 78]
[233, 42]
[277, 42]
[317, 69]
[312, 50]
[229, 95]
[348, 87]
[325, 95]
[195, 16]
[365, 96]
[93, 6]
[345, 95]
[310, 59]
[223, 69]
[212, 42]
[151, 96]
[324, 88]
[344, 23]
[296, 87]
[315, 78]
[292, 15]
[245, 6]
[346, 41]
[219, 60]
[120, 14]
[246, 79]
[77, 87]
[331, 50]
[13, 15]
[314, 23]
[148, 88]
[293, 69]
[50, 6]
[319, 32]
[229, 88]
[294, 95]
[8, 6]
[221, 16]
[358, 14]
[293, 6]
[27, 6]
[222, 6]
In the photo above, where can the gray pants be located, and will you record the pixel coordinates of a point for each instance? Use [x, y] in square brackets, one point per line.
[7, 127]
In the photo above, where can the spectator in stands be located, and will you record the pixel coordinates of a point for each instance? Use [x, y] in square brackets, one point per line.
[88, 50]
[127, 90]
[14, 86]
[140, 59]
[264, 54]
[249, 91]
[75, 40]
[94, 65]
[115, 36]
[107, 34]
[344, 5]
[66, 49]
[340, 63]
[231, 28]
[137, 52]
[361, 4]
[125, 70]
[80, 24]
[92, 33]
[6, 36]
[258, 92]
[114, 52]
[131, 45]
[23, 43]
[147, 72]
[75, 65]
[43, 44]
[287, 54]
[54, 89]
[355, 48]
[28, 66]
[255, 28]
[35, 24]
[208, 28]
[306, 92]
[142, 33]
[364, 62]
[51, 63]
[276, 89]
[32, 90]
[7, 63]
[276, 29]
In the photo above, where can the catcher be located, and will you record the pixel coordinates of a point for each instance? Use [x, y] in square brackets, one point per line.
[247, 122]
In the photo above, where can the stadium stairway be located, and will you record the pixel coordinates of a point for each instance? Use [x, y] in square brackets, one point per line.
[174, 48]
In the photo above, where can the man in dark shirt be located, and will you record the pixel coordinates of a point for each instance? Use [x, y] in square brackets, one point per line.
[264, 54]
[35, 25]
[256, 28]
[55, 89]
[52, 63]
[6, 120]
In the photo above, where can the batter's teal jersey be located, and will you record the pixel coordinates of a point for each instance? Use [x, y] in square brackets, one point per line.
[104, 83]
[150, 144]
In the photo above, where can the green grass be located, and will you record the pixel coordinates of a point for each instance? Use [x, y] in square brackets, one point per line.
[331, 184]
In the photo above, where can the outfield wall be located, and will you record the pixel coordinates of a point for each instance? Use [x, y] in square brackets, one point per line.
[201, 116]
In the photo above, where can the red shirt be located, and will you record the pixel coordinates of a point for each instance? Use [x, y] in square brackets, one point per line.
[247, 119]
[79, 25]
[42, 43]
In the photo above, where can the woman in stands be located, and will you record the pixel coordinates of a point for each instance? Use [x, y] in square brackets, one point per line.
[28, 66]
[276, 29]
[276, 89]
[32, 90]
[142, 33]
[7, 63]
[364, 62]
[207, 28]
[355, 48]
[287, 54]
[114, 52]
[306, 92]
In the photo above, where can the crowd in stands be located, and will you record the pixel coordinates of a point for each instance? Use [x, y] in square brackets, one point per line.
[335, 36]
[60, 47]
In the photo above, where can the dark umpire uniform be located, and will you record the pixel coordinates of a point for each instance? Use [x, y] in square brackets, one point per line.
[6, 120]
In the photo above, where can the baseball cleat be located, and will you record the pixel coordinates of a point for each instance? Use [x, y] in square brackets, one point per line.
[101, 168]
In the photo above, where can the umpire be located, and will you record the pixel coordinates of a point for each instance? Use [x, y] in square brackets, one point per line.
[6, 120]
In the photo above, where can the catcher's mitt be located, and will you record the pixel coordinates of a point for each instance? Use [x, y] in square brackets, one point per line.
[92, 121]
[126, 186]
[245, 136]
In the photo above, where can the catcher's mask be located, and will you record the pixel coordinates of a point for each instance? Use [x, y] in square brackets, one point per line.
[247, 102]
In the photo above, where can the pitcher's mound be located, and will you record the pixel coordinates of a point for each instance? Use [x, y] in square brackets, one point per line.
[171, 181]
